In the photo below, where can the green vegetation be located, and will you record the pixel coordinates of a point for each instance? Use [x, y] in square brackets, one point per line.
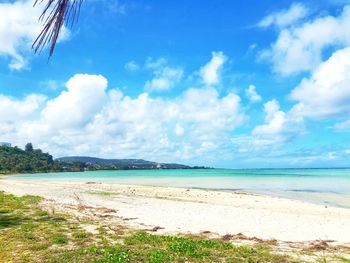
[30, 160]
[29, 234]
[16, 160]
[103, 193]
[123, 164]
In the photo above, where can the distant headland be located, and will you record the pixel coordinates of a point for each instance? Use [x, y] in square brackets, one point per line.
[30, 160]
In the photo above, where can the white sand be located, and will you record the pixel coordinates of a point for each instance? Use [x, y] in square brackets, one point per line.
[194, 211]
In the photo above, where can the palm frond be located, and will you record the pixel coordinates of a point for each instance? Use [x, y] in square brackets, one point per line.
[54, 15]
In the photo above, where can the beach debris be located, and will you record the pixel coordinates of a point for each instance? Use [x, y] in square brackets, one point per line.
[227, 237]
[319, 245]
[272, 242]
[102, 212]
[129, 218]
[241, 236]
[105, 210]
[155, 229]
[85, 207]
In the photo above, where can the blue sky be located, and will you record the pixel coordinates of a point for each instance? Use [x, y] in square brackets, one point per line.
[217, 83]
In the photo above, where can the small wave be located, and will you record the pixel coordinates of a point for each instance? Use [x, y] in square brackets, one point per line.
[313, 191]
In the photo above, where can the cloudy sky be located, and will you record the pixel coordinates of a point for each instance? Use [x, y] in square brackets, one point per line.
[217, 83]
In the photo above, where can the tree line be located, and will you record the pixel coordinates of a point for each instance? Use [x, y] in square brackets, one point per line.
[30, 160]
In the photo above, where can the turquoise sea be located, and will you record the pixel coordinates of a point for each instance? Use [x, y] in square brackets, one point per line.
[322, 186]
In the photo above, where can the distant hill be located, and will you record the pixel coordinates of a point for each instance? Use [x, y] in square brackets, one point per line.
[95, 160]
[30, 160]
[121, 163]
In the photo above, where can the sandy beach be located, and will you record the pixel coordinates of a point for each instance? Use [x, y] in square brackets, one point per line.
[179, 210]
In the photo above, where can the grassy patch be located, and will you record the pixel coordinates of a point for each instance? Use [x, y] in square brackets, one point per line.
[341, 259]
[59, 240]
[80, 234]
[103, 193]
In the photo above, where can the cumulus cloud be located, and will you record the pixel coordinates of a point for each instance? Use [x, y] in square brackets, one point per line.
[323, 95]
[76, 106]
[342, 126]
[210, 71]
[287, 17]
[87, 118]
[327, 92]
[332, 156]
[272, 130]
[279, 127]
[131, 66]
[12, 110]
[165, 77]
[252, 94]
[299, 47]
[19, 27]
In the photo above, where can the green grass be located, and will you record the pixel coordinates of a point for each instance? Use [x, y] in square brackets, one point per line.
[103, 193]
[59, 239]
[341, 259]
[29, 234]
[80, 234]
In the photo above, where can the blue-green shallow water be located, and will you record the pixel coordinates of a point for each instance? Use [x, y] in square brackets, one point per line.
[326, 186]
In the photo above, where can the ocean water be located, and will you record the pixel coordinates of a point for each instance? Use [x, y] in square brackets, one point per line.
[321, 186]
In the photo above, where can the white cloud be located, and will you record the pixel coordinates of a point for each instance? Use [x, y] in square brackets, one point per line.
[19, 27]
[252, 47]
[88, 119]
[327, 92]
[13, 110]
[300, 47]
[275, 121]
[132, 66]
[155, 64]
[279, 127]
[179, 130]
[252, 94]
[284, 18]
[51, 84]
[342, 126]
[75, 107]
[210, 71]
[332, 156]
[165, 77]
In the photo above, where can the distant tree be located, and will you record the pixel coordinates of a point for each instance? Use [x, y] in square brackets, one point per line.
[16, 160]
[29, 147]
[50, 159]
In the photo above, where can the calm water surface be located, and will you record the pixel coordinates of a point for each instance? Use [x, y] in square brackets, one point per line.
[326, 186]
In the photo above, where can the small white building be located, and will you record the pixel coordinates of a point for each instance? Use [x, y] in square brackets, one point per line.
[5, 144]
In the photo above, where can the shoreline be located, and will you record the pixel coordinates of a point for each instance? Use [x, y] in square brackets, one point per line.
[184, 210]
[323, 198]
[143, 169]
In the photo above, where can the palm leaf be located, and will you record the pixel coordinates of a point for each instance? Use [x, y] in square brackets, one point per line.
[54, 15]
